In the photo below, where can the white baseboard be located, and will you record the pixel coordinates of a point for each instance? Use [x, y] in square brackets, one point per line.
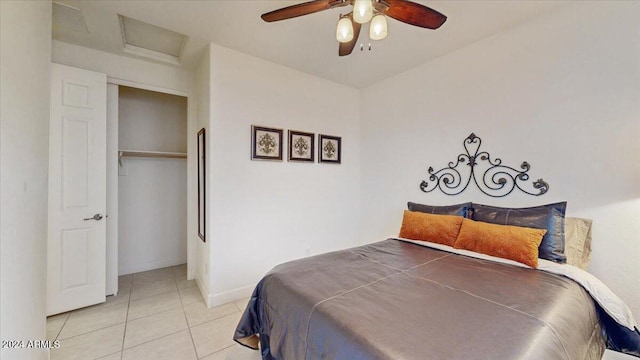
[204, 290]
[231, 295]
[225, 297]
[151, 265]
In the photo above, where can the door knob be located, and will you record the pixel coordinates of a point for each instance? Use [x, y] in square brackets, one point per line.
[96, 217]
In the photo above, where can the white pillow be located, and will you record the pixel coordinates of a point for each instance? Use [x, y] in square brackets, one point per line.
[577, 242]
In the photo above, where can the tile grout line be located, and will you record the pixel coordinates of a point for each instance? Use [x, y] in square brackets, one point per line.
[146, 316]
[155, 294]
[154, 339]
[92, 331]
[223, 349]
[83, 311]
[239, 309]
[184, 313]
[124, 333]
[62, 327]
[102, 357]
[160, 312]
[155, 313]
[215, 318]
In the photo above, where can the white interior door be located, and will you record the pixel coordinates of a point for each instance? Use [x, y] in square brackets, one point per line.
[76, 251]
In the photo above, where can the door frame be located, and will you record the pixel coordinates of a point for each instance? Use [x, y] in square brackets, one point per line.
[112, 178]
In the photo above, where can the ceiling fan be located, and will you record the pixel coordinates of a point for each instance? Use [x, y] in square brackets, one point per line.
[363, 11]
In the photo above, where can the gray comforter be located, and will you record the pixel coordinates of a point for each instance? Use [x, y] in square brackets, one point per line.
[397, 300]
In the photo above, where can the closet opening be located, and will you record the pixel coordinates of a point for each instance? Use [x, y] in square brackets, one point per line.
[147, 185]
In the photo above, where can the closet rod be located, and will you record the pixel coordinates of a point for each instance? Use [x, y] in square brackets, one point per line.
[152, 154]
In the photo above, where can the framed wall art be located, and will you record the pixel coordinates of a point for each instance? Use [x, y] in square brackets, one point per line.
[301, 146]
[201, 186]
[266, 143]
[329, 149]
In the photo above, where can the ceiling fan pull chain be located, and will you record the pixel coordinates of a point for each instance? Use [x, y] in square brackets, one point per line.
[362, 47]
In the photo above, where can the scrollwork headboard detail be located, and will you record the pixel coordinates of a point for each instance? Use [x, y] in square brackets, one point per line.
[493, 178]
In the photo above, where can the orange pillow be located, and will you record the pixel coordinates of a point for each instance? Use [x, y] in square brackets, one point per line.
[441, 229]
[505, 241]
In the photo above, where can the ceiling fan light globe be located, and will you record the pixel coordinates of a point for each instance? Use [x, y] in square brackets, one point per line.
[362, 11]
[344, 31]
[378, 27]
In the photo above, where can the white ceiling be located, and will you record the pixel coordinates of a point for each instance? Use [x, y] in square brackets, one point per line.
[306, 43]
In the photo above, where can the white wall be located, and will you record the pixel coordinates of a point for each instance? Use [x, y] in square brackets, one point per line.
[121, 67]
[202, 94]
[262, 213]
[152, 196]
[24, 145]
[152, 121]
[561, 91]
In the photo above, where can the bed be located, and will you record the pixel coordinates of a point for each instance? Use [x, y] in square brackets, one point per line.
[402, 299]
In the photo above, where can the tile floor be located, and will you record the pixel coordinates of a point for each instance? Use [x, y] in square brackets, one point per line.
[157, 314]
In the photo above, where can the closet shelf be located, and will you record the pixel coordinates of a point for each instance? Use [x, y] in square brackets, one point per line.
[151, 154]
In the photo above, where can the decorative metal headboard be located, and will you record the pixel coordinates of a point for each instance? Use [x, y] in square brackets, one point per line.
[497, 180]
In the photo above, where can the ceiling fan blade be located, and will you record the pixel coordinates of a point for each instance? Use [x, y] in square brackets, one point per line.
[415, 14]
[306, 8]
[347, 48]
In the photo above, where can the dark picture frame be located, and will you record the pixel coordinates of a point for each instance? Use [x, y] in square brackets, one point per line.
[329, 149]
[202, 220]
[266, 143]
[301, 146]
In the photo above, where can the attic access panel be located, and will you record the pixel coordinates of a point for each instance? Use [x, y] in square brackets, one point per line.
[150, 41]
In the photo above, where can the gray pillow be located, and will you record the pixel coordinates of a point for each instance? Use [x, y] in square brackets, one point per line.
[550, 217]
[458, 209]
